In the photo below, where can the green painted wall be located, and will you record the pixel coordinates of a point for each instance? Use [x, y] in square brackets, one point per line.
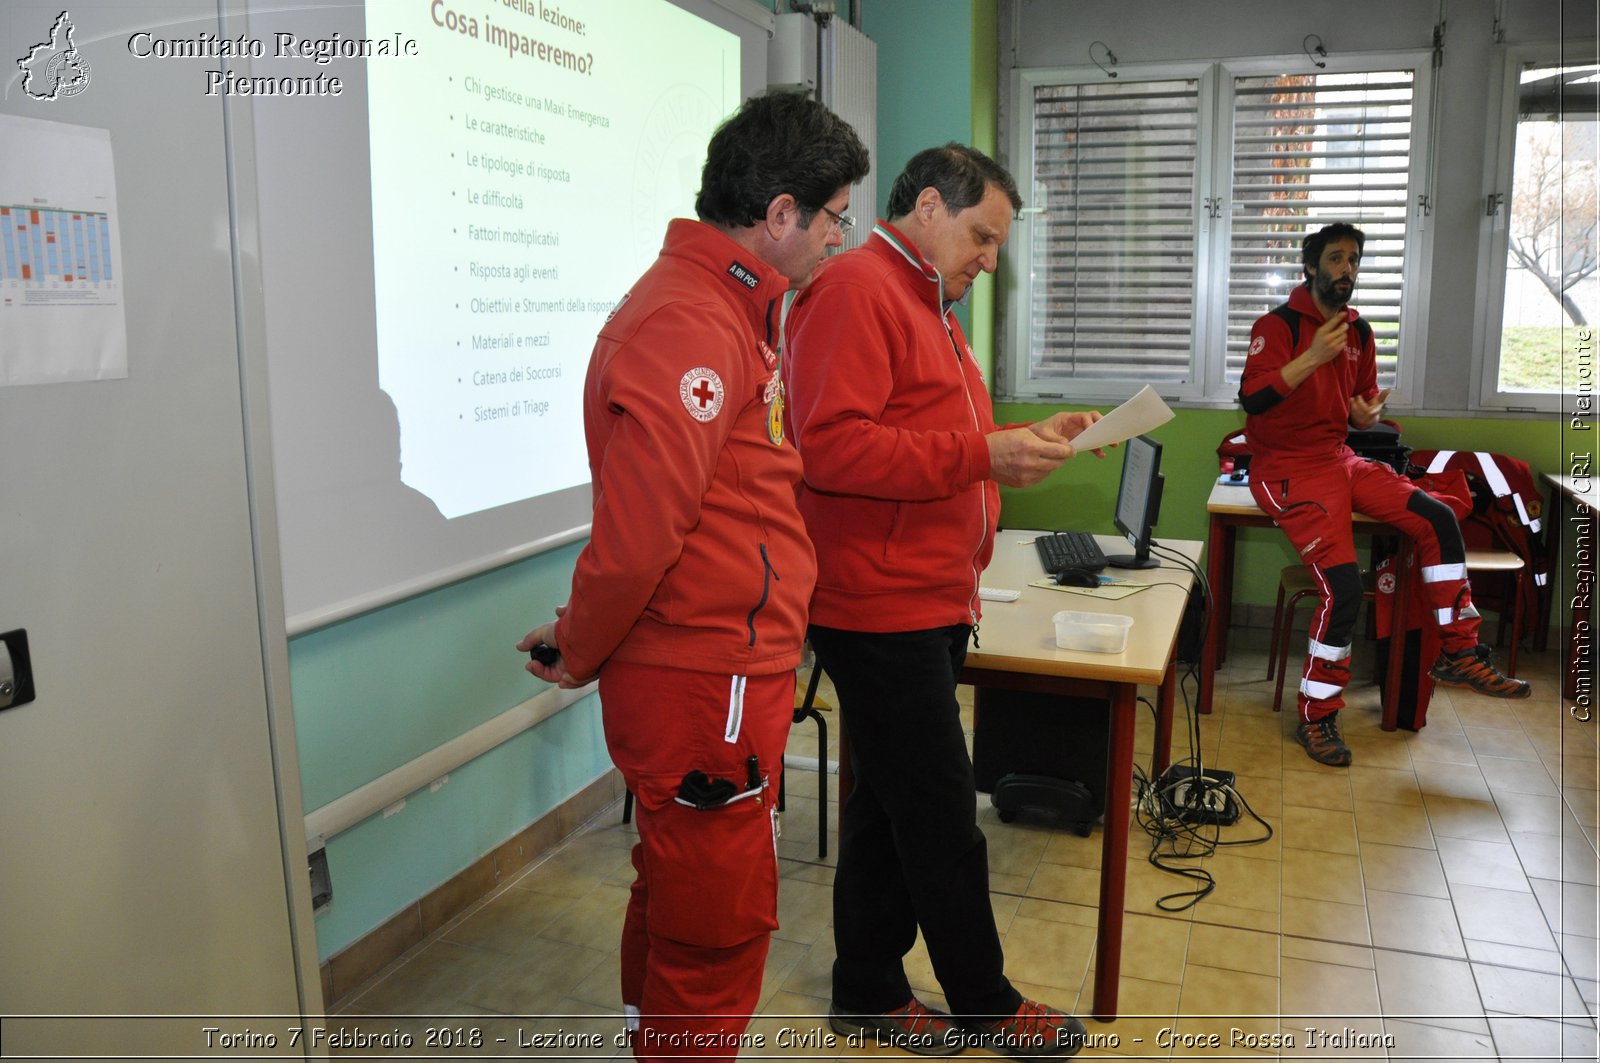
[375, 691]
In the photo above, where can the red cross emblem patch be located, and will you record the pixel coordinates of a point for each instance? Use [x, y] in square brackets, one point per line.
[702, 393]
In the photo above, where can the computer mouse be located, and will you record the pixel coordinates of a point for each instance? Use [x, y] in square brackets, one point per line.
[1076, 577]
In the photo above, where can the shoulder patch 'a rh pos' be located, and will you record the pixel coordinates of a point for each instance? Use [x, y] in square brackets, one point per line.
[702, 393]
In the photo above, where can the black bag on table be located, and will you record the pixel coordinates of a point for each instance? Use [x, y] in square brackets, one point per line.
[1382, 443]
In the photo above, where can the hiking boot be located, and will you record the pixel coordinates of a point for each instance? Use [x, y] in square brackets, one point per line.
[1036, 1031]
[1472, 668]
[1322, 741]
[913, 1027]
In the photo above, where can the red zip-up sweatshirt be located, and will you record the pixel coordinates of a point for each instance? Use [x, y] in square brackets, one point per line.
[889, 411]
[698, 558]
[1290, 430]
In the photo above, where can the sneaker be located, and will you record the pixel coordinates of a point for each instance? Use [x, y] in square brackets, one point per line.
[1472, 668]
[1322, 741]
[913, 1027]
[1036, 1031]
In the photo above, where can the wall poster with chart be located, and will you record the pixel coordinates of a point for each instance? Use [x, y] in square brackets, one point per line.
[61, 291]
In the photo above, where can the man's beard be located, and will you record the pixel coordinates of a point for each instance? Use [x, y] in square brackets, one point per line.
[1330, 293]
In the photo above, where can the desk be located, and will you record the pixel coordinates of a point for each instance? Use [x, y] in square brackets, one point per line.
[1018, 652]
[1232, 507]
[1582, 494]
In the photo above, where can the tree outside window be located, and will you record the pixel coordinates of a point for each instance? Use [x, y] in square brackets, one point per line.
[1551, 247]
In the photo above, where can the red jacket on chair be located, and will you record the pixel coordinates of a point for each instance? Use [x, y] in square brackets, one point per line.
[1507, 509]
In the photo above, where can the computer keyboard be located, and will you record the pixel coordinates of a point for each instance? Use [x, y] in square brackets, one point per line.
[1062, 550]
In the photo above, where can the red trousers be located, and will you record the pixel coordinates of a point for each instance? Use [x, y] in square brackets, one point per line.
[1313, 507]
[704, 901]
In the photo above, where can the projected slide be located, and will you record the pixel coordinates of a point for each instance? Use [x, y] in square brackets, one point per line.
[524, 167]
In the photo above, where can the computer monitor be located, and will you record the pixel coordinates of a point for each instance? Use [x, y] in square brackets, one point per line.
[1138, 500]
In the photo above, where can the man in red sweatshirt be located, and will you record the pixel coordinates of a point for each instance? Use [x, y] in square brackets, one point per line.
[902, 467]
[1311, 375]
[689, 601]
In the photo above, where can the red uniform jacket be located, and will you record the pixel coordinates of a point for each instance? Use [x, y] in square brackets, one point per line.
[1289, 430]
[889, 412]
[698, 558]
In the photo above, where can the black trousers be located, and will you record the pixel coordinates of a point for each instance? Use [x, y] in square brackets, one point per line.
[910, 851]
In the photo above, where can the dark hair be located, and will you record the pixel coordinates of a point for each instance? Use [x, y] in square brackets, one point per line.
[781, 142]
[960, 174]
[1312, 246]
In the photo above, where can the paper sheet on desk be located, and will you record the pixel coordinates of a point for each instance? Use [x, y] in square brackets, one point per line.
[1135, 417]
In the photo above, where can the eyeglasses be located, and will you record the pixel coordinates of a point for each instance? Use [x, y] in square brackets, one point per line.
[844, 221]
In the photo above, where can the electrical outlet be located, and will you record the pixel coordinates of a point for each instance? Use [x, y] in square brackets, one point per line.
[1193, 797]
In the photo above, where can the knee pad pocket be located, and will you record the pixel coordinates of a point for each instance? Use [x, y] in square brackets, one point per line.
[1344, 584]
[1446, 529]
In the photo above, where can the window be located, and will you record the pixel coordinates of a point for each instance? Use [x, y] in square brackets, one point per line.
[1114, 170]
[1542, 250]
[1168, 205]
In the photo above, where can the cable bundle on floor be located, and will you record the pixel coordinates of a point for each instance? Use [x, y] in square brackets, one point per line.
[1183, 812]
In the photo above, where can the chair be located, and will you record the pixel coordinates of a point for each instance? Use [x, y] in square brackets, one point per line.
[1500, 564]
[805, 710]
[1295, 584]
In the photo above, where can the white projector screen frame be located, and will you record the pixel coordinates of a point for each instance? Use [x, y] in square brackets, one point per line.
[352, 535]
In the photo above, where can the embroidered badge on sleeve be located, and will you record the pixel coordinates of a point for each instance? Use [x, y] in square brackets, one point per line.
[702, 393]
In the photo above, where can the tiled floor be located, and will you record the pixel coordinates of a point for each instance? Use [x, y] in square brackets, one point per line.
[1436, 900]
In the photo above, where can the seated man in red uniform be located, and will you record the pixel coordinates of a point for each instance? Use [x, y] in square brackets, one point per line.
[690, 600]
[1304, 387]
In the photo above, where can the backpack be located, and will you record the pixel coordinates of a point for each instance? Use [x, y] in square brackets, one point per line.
[1381, 442]
[1233, 453]
[1416, 632]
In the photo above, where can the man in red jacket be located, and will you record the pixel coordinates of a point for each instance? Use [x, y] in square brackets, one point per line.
[1311, 375]
[902, 461]
[689, 601]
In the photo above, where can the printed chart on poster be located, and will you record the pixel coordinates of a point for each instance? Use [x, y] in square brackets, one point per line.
[61, 290]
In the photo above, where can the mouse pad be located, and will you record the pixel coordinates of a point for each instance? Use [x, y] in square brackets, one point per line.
[1110, 588]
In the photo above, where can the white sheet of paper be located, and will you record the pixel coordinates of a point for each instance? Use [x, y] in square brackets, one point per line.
[1135, 417]
[61, 287]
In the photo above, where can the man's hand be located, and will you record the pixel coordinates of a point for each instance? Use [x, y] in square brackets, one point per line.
[1020, 457]
[551, 673]
[1328, 343]
[1364, 414]
[1062, 427]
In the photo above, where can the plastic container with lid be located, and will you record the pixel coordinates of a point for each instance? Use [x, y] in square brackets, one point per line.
[1092, 632]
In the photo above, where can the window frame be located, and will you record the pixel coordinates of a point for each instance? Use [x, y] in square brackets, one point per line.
[1206, 386]
[1495, 235]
